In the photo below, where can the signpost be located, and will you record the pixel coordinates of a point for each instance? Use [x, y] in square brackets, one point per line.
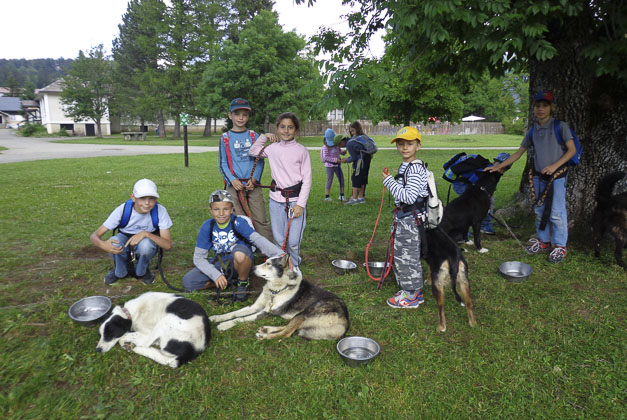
[184, 119]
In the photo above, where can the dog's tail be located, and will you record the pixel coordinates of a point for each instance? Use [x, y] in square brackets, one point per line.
[606, 186]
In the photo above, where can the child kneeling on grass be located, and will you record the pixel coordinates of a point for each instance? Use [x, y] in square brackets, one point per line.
[410, 191]
[142, 224]
[231, 237]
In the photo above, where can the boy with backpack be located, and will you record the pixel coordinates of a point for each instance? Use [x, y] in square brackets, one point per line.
[142, 224]
[231, 237]
[555, 146]
[410, 190]
[236, 165]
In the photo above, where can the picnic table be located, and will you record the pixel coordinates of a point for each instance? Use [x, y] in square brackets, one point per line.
[134, 135]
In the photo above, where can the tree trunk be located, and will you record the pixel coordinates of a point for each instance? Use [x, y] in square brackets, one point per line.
[177, 129]
[161, 125]
[98, 129]
[207, 131]
[592, 106]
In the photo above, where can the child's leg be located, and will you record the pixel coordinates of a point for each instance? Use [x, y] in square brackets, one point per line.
[121, 260]
[278, 220]
[407, 265]
[340, 178]
[145, 251]
[545, 234]
[297, 227]
[195, 280]
[242, 261]
[257, 207]
[559, 214]
[327, 187]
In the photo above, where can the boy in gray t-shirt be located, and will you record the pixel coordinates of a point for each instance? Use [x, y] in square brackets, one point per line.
[549, 171]
[142, 224]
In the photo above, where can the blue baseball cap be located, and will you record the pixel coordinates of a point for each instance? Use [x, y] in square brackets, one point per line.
[544, 95]
[239, 103]
[502, 157]
[329, 136]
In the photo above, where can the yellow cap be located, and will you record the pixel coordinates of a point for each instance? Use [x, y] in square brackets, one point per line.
[408, 133]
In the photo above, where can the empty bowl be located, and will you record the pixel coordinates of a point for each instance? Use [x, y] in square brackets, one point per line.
[515, 271]
[90, 310]
[357, 351]
[376, 268]
[343, 266]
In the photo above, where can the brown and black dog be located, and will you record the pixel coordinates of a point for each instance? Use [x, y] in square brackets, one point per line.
[610, 216]
[447, 266]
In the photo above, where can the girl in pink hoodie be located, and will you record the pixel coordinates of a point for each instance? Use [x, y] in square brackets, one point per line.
[290, 166]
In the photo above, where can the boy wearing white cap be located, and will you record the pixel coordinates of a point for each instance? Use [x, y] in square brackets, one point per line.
[142, 224]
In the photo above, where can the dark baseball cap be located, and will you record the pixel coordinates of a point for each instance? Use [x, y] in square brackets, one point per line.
[239, 103]
[544, 95]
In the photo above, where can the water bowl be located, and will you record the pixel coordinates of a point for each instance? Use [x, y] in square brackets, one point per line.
[357, 351]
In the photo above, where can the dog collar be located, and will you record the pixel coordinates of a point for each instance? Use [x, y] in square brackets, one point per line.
[126, 312]
[276, 292]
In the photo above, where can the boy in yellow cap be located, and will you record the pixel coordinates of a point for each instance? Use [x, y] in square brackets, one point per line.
[410, 191]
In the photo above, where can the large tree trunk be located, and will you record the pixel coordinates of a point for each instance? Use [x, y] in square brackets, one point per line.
[162, 133]
[177, 128]
[594, 107]
[207, 131]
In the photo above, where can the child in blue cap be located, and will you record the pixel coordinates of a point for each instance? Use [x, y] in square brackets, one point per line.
[330, 155]
[550, 170]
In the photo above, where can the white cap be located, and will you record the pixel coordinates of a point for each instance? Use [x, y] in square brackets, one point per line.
[145, 188]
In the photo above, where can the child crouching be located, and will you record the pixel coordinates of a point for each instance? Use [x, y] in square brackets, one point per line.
[410, 191]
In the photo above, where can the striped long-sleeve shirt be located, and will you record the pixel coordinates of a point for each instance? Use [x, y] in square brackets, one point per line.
[415, 187]
[330, 156]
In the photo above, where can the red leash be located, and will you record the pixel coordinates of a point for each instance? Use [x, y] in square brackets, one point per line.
[389, 254]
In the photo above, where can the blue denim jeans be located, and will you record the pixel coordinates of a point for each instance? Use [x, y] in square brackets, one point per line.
[556, 231]
[145, 250]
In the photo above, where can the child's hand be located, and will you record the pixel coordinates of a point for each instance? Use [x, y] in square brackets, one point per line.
[113, 246]
[221, 282]
[272, 138]
[549, 170]
[386, 172]
[250, 184]
[492, 168]
[237, 184]
[135, 239]
[298, 211]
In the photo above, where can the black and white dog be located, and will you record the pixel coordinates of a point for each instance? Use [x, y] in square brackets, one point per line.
[164, 327]
[610, 216]
[469, 209]
[314, 312]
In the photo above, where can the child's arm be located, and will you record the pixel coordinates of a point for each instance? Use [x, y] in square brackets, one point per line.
[416, 185]
[255, 149]
[266, 247]
[223, 163]
[510, 160]
[305, 189]
[108, 245]
[162, 240]
[570, 152]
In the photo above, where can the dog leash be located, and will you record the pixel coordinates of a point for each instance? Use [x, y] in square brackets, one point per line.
[389, 253]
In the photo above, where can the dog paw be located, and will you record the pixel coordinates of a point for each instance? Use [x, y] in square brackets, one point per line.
[483, 250]
[214, 318]
[262, 333]
[225, 325]
[174, 363]
[128, 346]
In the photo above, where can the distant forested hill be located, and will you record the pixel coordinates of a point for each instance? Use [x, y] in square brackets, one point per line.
[40, 72]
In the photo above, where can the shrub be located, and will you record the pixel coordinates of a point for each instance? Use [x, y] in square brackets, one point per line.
[63, 133]
[516, 127]
[36, 130]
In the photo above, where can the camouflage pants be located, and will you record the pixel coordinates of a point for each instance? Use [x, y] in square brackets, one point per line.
[407, 265]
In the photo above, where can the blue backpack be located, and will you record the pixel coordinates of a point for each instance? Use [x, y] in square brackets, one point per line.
[576, 159]
[464, 168]
[370, 147]
[128, 209]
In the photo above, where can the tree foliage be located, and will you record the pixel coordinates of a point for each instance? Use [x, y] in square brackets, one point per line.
[87, 87]
[266, 67]
[40, 72]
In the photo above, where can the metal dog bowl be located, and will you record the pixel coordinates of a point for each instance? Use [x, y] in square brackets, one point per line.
[90, 310]
[515, 271]
[376, 268]
[343, 266]
[357, 351]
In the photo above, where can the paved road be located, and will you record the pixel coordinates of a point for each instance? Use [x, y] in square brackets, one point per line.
[21, 149]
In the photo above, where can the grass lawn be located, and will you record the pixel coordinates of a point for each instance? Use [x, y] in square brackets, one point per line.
[551, 347]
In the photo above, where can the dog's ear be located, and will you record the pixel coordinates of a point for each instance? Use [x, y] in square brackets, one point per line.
[284, 259]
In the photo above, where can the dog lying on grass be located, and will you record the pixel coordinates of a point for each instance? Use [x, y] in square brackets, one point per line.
[166, 328]
[469, 209]
[314, 313]
[447, 266]
[610, 216]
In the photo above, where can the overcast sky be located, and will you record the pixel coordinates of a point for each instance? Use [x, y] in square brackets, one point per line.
[60, 28]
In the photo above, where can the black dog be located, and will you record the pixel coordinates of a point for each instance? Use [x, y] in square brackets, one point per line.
[610, 216]
[469, 209]
[447, 266]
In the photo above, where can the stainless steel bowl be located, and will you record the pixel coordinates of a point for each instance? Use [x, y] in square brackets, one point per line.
[376, 268]
[90, 310]
[343, 266]
[515, 271]
[357, 351]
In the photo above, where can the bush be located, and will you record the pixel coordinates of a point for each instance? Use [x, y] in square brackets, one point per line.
[516, 127]
[63, 133]
[30, 130]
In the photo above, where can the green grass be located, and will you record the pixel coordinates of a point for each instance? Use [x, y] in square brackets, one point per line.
[551, 347]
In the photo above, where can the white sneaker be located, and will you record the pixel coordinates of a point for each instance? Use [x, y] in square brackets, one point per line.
[327, 199]
[352, 201]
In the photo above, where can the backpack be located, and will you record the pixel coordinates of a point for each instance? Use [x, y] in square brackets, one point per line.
[370, 147]
[435, 209]
[464, 168]
[225, 139]
[128, 209]
[212, 224]
[576, 159]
